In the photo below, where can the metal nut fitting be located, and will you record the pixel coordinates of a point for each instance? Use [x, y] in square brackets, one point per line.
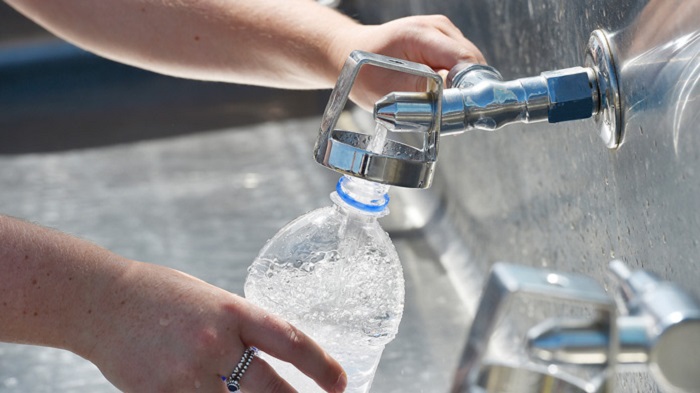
[570, 94]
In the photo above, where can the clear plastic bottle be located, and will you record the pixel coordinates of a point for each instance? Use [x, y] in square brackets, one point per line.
[334, 273]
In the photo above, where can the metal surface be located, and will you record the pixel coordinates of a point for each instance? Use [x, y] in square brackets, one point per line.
[552, 195]
[466, 75]
[206, 204]
[599, 57]
[504, 286]
[348, 152]
[505, 379]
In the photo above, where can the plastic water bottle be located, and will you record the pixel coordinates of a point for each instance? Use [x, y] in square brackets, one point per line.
[334, 273]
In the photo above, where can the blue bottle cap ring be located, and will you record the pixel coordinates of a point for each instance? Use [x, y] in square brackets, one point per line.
[374, 208]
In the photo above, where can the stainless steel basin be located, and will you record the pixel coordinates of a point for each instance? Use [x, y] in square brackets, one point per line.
[205, 203]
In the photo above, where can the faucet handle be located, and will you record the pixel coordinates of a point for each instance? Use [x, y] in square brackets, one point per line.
[350, 153]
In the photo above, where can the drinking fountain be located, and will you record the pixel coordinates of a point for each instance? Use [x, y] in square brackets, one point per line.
[655, 327]
[652, 325]
[658, 330]
[476, 98]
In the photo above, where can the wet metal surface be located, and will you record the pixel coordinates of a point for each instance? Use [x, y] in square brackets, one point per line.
[205, 204]
[554, 195]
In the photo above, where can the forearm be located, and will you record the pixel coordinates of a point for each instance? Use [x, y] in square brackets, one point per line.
[51, 285]
[130, 318]
[284, 43]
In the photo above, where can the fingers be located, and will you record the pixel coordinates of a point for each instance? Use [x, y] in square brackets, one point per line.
[432, 40]
[441, 52]
[285, 342]
[444, 45]
[464, 49]
[260, 377]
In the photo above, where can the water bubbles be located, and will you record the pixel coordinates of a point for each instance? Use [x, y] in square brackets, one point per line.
[334, 274]
[312, 285]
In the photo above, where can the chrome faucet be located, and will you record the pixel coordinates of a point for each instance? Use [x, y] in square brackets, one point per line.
[476, 98]
[507, 286]
[655, 328]
[660, 332]
[479, 98]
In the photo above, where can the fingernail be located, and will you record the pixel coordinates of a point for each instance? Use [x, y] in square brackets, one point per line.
[341, 383]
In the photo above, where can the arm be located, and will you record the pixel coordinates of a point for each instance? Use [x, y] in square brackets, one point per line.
[279, 43]
[148, 328]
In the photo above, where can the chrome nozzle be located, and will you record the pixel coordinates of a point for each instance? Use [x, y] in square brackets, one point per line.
[410, 112]
[481, 100]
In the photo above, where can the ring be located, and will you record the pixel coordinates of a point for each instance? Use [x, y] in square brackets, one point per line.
[233, 382]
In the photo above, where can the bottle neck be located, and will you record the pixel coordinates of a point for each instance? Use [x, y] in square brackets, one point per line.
[360, 195]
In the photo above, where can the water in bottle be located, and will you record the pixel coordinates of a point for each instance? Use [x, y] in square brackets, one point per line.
[334, 274]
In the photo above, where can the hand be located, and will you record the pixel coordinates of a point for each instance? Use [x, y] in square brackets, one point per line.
[160, 330]
[431, 40]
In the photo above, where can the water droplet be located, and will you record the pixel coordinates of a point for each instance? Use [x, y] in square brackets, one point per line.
[485, 123]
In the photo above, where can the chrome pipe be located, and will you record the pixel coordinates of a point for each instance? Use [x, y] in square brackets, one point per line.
[480, 99]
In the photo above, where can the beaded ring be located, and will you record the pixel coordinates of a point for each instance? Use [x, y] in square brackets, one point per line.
[233, 382]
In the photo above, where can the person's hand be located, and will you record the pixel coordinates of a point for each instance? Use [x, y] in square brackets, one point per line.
[160, 330]
[432, 40]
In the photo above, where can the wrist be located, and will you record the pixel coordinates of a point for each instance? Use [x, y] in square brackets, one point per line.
[340, 40]
[95, 321]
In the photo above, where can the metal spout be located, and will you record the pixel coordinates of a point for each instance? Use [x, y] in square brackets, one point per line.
[480, 99]
[477, 97]
[584, 342]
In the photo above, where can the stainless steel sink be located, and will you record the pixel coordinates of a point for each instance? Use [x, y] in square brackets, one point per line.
[205, 203]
